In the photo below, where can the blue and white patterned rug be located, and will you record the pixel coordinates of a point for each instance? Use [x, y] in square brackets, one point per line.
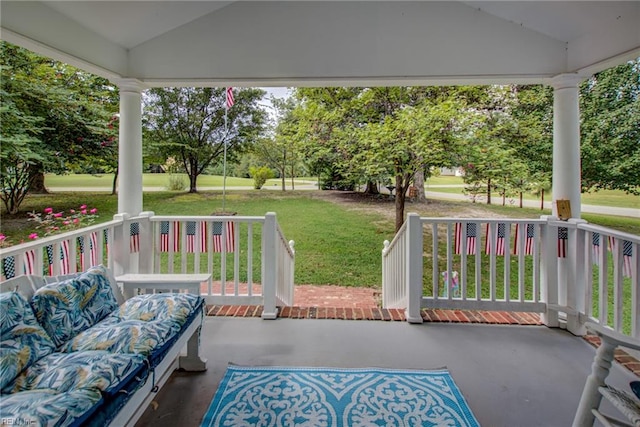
[277, 396]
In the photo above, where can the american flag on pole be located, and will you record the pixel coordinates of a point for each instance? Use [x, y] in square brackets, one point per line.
[627, 254]
[164, 236]
[529, 240]
[229, 237]
[230, 100]
[563, 235]
[192, 239]
[498, 240]
[134, 233]
[472, 232]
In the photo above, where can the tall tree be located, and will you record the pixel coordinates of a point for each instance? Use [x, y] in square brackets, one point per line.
[189, 125]
[610, 129]
[72, 108]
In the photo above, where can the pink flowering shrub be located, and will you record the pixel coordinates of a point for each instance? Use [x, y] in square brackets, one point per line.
[58, 222]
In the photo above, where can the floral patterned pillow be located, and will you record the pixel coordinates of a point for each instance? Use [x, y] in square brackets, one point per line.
[23, 340]
[69, 307]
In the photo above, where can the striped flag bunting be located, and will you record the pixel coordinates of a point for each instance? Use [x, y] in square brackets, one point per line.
[529, 240]
[65, 268]
[134, 233]
[627, 254]
[93, 248]
[191, 236]
[563, 235]
[472, 232]
[164, 236]
[498, 240]
[229, 236]
[9, 267]
[230, 100]
[30, 262]
[595, 247]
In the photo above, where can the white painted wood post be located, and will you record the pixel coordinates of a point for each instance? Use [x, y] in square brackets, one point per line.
[145, 257]
[120, 246]
[130, 147]
[576, 280]
[414, 268]
[549, 272]
[269, 266]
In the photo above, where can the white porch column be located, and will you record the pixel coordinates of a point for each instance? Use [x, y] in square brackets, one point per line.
[130, 147]
[566, 186]
[566, 141]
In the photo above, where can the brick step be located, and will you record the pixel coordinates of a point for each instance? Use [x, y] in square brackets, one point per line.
[445, 316]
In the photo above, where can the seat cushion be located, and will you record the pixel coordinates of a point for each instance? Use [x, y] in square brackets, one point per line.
[101, 370]
[24, 341]
[69, 307]
[167, 307]
[117, 336]
[48, 407]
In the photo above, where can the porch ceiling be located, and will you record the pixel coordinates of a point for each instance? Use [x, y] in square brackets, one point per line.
[264, 43]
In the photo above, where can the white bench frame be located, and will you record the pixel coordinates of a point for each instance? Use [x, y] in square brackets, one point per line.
[140, 400]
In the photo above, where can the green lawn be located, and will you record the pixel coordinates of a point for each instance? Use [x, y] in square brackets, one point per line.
[105, 181]
[614, 198]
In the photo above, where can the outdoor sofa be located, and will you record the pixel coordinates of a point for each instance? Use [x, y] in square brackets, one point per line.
[75, 352]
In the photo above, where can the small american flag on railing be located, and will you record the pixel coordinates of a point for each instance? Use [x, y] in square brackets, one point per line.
[563, 235]
[498, 239]
[627, 254]
[191, 236]
[217, 236]
[134, 233]
[92, 252]
[472, 232]
[529, 240]
[30, 262]
[164, 236]
[65, 268]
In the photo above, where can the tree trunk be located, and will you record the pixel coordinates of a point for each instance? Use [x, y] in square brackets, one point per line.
[293, 185]
[114, 184]
[193, 177]
[504, 198]
[521, 200]
[283, 178]
[372, 188]
[542, 199]
[489, 192]
[36, 180]
[400, 199]
[418, 183]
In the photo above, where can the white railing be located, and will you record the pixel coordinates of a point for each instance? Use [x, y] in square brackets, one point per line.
[394, 288]
[64, 253]
[249, 259]
[609, 278]
[555, 268]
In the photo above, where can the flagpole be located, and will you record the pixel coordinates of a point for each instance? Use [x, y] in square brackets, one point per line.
[224, 162]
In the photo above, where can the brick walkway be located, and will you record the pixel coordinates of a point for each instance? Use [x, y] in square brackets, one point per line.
[347, 303]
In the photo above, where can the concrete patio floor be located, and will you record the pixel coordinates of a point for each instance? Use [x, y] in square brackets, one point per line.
[509, 375]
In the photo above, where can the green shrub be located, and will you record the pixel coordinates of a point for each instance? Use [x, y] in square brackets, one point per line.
[260, 175]
[176, 183]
